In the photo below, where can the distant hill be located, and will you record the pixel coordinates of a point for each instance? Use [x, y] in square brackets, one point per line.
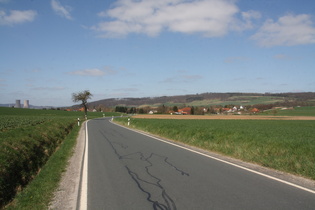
[6, 105]
[210, 99]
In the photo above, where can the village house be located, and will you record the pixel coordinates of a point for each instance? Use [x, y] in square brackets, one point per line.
[184, 111]
[254, 110]
[226, 110]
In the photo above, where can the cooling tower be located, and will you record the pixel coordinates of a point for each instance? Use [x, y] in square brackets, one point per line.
[26, 104]
[17, 104]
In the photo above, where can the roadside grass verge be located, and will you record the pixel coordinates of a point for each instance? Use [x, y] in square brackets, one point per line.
[29, 138]
[25, 150]
[279, 144]
[39, 191]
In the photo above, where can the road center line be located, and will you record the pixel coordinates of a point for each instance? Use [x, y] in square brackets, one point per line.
[224, 161]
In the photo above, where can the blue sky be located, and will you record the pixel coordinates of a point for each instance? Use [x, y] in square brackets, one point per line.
[50, 49]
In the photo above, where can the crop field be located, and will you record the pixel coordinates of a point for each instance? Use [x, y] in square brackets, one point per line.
[285, 145]
[12, 122]
[296, 111]
[236, 100]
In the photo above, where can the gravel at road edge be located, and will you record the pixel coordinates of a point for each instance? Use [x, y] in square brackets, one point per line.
[66, 195]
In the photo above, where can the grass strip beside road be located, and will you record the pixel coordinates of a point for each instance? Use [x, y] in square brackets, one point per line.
[285, 145]
[39, 192]
[25, 150]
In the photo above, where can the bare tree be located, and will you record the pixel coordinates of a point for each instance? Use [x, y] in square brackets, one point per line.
[83, 97]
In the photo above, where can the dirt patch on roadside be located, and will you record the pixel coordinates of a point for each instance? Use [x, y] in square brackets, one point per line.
[225, 117]
[66, 197]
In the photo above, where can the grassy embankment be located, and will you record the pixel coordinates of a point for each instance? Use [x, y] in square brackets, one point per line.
[34, 148]
[284, 145]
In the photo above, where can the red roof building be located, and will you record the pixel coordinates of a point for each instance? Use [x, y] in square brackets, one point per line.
[186, 110]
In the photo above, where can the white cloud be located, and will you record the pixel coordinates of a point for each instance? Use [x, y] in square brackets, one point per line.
[251, 14]
[289, 30]
[210, 18]
[94, 72]
[61, 10]
[16, 17]
[248, 16]
[89, 72]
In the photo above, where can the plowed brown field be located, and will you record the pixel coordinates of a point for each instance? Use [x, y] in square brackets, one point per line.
[225, 117]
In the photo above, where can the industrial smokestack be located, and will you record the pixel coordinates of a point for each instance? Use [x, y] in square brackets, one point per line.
[17, 104]
[26, 104]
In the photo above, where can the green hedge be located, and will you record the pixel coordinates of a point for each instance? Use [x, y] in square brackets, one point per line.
[23, 151]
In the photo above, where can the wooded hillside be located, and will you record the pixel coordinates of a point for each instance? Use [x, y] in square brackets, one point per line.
[212, 99]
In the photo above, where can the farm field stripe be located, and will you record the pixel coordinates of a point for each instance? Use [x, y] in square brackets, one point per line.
[225, 117]
[224, 161]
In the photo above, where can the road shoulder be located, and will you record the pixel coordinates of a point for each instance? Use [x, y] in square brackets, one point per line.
[67, 193]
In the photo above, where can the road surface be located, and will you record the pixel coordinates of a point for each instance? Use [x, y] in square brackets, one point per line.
[127, 170]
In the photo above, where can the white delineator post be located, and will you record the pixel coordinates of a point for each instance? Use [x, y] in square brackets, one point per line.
[78, 121]
[128, 121]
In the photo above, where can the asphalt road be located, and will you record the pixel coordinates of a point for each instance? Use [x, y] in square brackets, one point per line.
[128, 170]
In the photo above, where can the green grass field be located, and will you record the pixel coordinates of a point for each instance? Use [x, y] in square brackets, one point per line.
[50, 113]
[235, 100]
[283, 145]
[296, 111]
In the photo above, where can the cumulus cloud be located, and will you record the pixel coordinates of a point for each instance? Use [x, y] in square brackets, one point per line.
[94, 72]
[210, 18]
[248, 18]
[17, 17]
[63, 11]
[288, 30]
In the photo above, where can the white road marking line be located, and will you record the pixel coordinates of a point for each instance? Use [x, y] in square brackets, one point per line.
[83, 199]
[224, 161]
